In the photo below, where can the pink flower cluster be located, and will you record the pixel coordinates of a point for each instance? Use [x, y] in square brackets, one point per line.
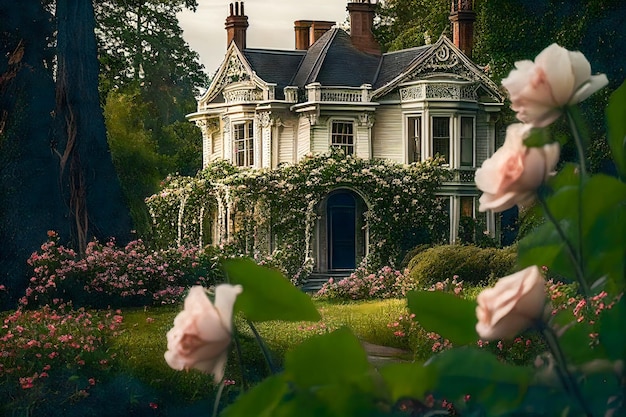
[111, 275]
[39, 347]
[361, 285]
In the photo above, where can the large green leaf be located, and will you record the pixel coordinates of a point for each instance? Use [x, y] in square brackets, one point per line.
[498, 387]
[334, 358]
[408, 380]
[446, 314]
[574, 338]
[268, 294]
[616, 120]
[260, 401]
[545, 247]
[612, 333]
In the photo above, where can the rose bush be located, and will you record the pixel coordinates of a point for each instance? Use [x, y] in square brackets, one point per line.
[558, 77]
[514, 171]
[202, 331]
[511, 305]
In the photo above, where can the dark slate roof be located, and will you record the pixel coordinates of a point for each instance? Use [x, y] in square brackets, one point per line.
[334, 61]
[331, 61]
[394, 63]
[275, 66]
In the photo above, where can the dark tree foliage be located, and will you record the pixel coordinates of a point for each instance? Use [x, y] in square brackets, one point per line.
[30, 202]
[409, 23]
[141, 40]
[88, 179]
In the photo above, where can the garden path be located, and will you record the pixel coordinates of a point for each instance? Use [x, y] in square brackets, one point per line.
[380, 355]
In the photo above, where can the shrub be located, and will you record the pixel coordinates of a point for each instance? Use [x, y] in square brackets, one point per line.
[108, 275]
[361, 285]
[472, 264]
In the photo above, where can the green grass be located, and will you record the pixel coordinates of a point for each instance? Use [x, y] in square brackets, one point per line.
[142, 342]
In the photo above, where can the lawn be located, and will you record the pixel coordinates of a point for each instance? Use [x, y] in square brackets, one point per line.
[46, 372]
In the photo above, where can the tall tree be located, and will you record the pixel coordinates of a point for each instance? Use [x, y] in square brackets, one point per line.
[136, 37]
[408, 23]
[30, 203]
[90, 183]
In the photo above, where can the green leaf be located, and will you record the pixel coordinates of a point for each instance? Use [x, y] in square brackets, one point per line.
[574, 338]
[408, 380]
[612, 335]
[334, 358]
[446, 314]
[538, 138]
[267, 294]
[616, 120]
[498, 387]
[260, 401]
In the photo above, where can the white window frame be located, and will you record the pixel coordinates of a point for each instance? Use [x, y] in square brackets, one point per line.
[462, 116]
[348, 148]
[431, 136]
[247, 152]
[409, 128]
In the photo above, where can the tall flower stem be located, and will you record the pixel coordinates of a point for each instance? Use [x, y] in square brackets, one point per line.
[580, 276]
[565, 376]
[240, 360]
[266, 353]
[581, 181]
[218, 397]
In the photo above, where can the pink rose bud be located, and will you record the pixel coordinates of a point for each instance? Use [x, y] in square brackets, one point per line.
[558, 77]
[511, 305]
[202, 331]
[514, 172]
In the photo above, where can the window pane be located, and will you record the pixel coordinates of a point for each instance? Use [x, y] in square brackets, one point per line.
[414, 139]
[467, 207]
[441, 137]
[467, 141]
[343, 137]
[243, 144]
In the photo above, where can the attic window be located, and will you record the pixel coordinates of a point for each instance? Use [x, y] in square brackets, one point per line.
[343, 136]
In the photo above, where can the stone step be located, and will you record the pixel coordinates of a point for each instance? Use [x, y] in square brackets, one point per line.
[317, 280]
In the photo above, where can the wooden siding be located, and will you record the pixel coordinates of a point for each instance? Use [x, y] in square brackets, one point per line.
[303, 143]
[387, 134]
[483, 138]
[285, 144]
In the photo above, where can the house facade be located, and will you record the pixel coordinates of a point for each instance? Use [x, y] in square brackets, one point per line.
[269, 107]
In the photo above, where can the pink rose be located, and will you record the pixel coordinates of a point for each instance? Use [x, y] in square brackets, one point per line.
[202, 331]
[558, 77]
[514, 172]
[511, 305]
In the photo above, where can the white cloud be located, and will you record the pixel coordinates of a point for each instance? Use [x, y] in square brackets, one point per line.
[271, 24]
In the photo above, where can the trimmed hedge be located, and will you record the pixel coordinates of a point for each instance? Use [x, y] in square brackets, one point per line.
[472, 264]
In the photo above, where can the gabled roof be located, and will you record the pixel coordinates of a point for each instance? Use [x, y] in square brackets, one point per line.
[274, 66]
[334, 61]
[394, 63]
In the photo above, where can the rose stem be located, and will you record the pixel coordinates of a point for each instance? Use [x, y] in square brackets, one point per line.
[568, 245]
[566, 377]
[261, 343]
[581, 177]
[218, 397]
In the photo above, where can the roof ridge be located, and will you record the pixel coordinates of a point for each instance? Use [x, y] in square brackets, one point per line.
[317, 65]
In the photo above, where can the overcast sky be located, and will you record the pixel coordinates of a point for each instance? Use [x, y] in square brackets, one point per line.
[271, 24]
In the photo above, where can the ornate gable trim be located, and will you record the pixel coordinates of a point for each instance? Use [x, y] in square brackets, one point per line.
[234, 69]
[443, 58]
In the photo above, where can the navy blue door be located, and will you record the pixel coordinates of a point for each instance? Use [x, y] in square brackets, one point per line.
[341, 231]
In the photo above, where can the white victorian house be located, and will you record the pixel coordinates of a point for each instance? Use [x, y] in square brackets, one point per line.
[336, 89]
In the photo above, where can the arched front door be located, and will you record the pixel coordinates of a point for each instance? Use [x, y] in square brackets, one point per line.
[341, 223]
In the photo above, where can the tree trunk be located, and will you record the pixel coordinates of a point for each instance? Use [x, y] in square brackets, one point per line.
[90, 184]
[30, 202]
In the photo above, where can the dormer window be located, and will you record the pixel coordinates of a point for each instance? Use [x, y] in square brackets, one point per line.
[243, 142]
[342, 136]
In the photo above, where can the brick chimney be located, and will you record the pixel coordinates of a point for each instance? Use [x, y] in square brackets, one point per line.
[462, 16]
[309, 31]
[236, 25]
[361, 24]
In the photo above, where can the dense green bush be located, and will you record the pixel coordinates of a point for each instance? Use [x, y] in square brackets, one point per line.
[472, 264]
